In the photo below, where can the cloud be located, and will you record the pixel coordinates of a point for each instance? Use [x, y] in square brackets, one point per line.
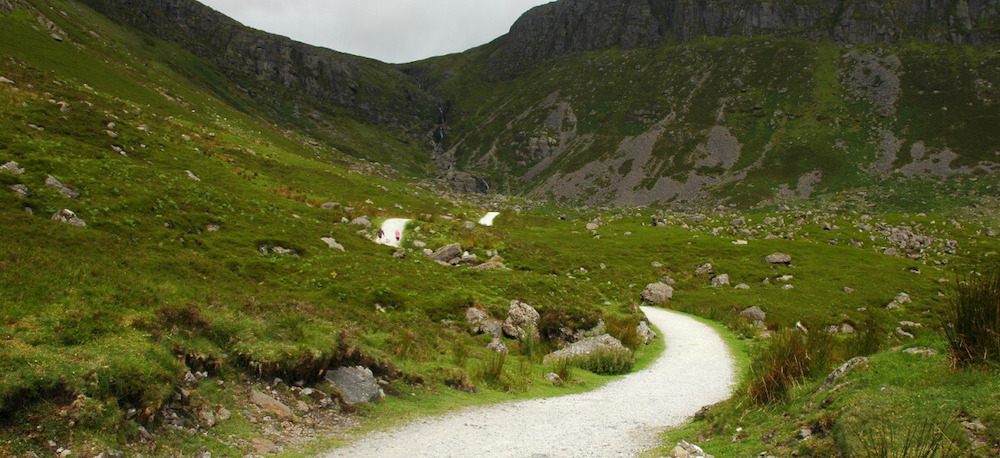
[389, 30]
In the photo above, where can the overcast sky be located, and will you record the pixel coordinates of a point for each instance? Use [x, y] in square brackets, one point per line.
[394, 31]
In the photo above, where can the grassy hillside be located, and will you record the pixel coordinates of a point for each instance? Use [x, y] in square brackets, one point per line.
[186, 188]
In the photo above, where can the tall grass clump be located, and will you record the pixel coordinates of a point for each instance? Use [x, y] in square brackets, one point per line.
[607, 361]
[790, 357]
[870, 336]
[531, 345]
[973, 328]
[625, 330]
[492, 370]
[923, 440]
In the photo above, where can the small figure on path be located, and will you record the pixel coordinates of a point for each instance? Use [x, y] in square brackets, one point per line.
[381, 235]
[397, 236]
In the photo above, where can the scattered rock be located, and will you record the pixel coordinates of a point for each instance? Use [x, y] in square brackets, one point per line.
[720, 280]
[192, 176]
[754, 314]
[112, 134]
[468, 225]
[585, 347]
[688, 450]
[841, 371]
[705, 269]
[20, 190]
[738, 222]
[446, 253]
[52, 182]
[848, 290]
[922, 351]
[419, 244]
[68, 217]
[644, 331]
[903, 298]
[12, 168]
[264, 446]
[330, 242]
[399, 254]
[592, 226]
[5, 80]
[901, 332]
[213, 228]
[330, 205]
[787, 287]
[520, 317]
[270, 404]
[362, 221]
[497, 346]
[656, 264]
[554, 378]
[355, 384]
[742, 286]
[666, 279]
[846, 329]
[657, 293]
[207, 418]
[778, 258]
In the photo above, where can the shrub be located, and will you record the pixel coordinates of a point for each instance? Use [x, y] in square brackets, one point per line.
[973, 327]
[606, 361]
[778, 366]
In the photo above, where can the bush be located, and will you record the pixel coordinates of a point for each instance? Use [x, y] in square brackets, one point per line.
[973, 327]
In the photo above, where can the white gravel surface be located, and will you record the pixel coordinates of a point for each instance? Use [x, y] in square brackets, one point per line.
[389, 228]
[488, 219]
[621, 418]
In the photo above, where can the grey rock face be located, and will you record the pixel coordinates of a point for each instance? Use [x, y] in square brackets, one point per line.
[705, 269]
[355, 384]
[362, 221]
[520, 318]
[52, 182]
[332, 243]
[585, 347]
[447, 253]
[657, 293]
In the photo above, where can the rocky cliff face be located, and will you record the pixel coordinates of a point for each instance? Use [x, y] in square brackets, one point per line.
[371, 90]
[570, 26]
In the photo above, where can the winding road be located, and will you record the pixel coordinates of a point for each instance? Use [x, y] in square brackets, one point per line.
[622, 418]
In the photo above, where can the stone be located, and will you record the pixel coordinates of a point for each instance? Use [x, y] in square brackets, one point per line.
[666, 279]
[902, 333]
[497, 346]
[554, 378]
[264, 446]
[355, 384]
[20, 190]
[112, 134]
[847, 329]
[585, 347]
[213, 228]
[12, 167]
[207, 418]
[223, 414]
[656, 264]
[52, 182]
[419, 244]
[742, 286]
[923, 352]
[447, 253]
[705, 269]
[778, 258]
[362, 221]
[468, 225]
[332, 243]
[330, 206]
[5, 80]
[68, 217]
[643, 330]
[842, 371]
[474, 316]
[520, 317]
[787, 287]
[657, 293]
[592, 226]
[687, 450]
[754, 314]
[848, 290]
[738, 222]
[720, 280]
[270, 404]
[903, 298]
[192, 176]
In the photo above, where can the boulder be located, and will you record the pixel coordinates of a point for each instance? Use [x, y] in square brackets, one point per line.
[468, 225]
[330, 242]
[720, 280]
[271, 404]
[585, 347]
[554, 378]
[52, 182]
[754, 314]
[742, 286]
[475, 315]
[12, 168]
[355, 384]
[841, 371]
[447, 253]
[20, 190]
[778, 258]
[657, 293]
[330, 206]
[705, 269]
[68, 217]
[647, 334]
[520, 317]
[592, 226]
[738, 222]
[362, 221]
[666, 279]
[687, 450]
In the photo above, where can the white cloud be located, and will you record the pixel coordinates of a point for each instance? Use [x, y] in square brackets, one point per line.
[388, 30]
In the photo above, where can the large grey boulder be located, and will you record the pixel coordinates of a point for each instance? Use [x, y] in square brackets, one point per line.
[657, 293]
[585, 347]
[720, 280]
[355, 384]
[362, 221]
[754, 314]
[520, 318]
[20, 190]
[483, 323]
[778, 258]
[447, 253]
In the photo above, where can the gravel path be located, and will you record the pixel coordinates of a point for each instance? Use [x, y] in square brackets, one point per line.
[621, 418]
[389, 229]
[488, 219]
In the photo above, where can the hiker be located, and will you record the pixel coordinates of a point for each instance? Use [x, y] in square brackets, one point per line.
[381, 235]
[397, 236]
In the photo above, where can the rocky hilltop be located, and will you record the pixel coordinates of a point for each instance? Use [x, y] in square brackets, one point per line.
[570, 26]
[268, 65]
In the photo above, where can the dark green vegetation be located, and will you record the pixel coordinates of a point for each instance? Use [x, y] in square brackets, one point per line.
[172, 274]
[974, 333]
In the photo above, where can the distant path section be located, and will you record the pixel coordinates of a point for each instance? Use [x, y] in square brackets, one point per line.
[622, 418]
[488, 219]
[390, 228]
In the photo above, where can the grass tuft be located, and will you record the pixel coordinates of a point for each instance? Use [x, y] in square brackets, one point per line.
[973, 329]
